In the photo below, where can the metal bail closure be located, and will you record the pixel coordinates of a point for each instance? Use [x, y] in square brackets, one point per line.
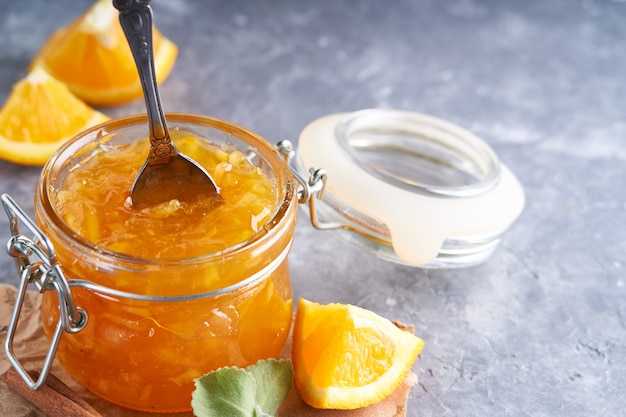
[314, 186]
[45, 274]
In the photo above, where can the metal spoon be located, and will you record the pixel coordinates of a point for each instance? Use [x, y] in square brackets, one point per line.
[167, 174]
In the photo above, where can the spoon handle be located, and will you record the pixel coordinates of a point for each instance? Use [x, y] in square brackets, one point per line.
[136, 20]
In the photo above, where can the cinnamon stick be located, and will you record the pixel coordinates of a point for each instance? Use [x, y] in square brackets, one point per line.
[54, 398]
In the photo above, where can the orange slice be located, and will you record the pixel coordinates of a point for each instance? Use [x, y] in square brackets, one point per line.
[39, 115]
[346, 357]
[91, 55]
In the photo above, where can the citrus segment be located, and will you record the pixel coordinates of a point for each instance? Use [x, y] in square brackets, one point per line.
[39, 115]
[91, 55]
[346, 357]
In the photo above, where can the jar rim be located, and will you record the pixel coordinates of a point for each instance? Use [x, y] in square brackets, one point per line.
[376, 139]
[84, 141]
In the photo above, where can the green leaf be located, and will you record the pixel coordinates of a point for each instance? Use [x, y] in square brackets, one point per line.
[225, 392]
[259, 413]
[273, 381]
[256, 391]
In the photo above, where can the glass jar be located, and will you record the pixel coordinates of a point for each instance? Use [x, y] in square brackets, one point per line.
[143, 350]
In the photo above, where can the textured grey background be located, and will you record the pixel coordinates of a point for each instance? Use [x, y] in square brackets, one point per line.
[539, 329]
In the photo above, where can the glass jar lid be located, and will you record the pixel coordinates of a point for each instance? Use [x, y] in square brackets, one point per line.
[409, 187]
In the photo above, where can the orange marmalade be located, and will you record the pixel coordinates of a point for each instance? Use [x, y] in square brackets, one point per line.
[175, 290]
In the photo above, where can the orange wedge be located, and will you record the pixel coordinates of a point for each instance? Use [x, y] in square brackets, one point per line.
[40, 115]
[346, 357]
[92, 56]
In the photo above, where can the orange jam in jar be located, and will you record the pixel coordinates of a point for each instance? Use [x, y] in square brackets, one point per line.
[179, 289]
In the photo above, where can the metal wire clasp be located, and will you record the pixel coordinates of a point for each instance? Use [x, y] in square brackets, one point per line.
[45, 274]
[313, 186]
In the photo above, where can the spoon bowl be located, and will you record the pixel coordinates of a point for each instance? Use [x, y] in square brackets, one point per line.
[167, 174]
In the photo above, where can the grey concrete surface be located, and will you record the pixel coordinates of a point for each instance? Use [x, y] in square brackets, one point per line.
[537, 330]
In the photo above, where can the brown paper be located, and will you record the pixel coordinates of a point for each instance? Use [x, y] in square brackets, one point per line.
[30, 346]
